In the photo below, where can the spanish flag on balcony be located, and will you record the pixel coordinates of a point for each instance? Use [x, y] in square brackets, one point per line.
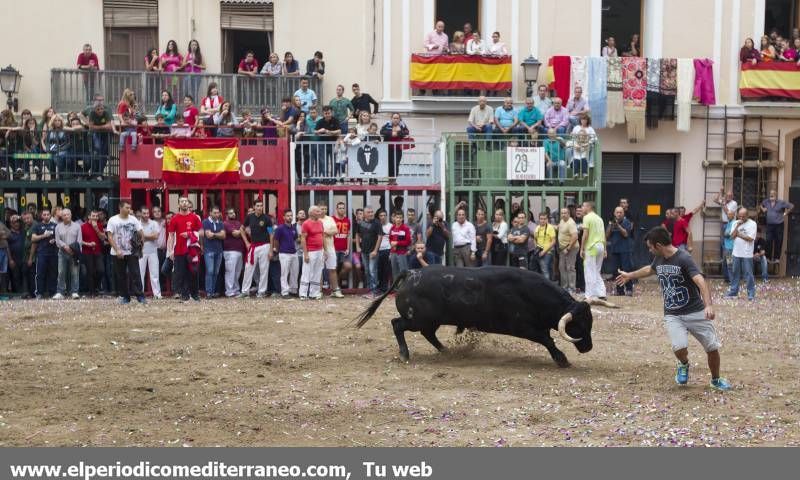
[200, 161]
[457, 72]
[770, 79]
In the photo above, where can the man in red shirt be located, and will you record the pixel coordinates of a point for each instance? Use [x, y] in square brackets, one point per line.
[190, 112]
[249, 65]
[341, 243]
[88, 62]
[399, 241]
[94, 236]
[313, 255]
[679, 228]
[182, 248]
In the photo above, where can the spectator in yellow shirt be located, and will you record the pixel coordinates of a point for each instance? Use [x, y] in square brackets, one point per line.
[545, 237]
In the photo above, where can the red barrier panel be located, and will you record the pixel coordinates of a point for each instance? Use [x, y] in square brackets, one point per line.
[264, 171]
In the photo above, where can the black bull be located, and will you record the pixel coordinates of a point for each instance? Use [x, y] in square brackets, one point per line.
[508, 301]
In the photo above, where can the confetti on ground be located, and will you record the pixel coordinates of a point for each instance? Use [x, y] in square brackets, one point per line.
[285, 372]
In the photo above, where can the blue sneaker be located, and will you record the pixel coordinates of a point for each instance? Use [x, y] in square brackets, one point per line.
[124, 301]
[720, 384]
[682, 374]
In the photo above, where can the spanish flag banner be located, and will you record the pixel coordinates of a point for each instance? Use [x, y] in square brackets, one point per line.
[770, 79]
[200, 161]
[457, 72]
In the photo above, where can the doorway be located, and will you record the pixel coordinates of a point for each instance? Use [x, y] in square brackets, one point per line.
[622, 19]
[455, 13]
[648, 182]
[236, 43]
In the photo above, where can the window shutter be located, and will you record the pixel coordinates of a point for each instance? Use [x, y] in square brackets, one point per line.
[656, 169]
[247, 15]
[617, 168]
[130, 13]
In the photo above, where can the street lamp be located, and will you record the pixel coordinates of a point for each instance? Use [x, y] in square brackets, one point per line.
[9, 83]
[530, 72]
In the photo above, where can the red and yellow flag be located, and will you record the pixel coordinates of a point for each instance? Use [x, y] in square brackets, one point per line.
[456, 72]
[770, 79]
[200, 161]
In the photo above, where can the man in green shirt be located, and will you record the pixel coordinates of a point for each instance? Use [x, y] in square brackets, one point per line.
[530, 119]
[593, 251]
[342, 108]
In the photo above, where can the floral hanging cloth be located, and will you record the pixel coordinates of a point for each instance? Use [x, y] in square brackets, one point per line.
[634, 96]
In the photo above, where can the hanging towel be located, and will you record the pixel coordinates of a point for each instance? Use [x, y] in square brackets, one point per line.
[704, 81]
[578, 73]
[634, 95]
[562, 64]
[616, 109]
[653, 92]
[668, 88]
[685, 91]
[598, 90]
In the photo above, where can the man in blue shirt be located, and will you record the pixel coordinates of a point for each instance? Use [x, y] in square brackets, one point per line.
[213, 237]
[284, 243]
[46, 256]
[505, 117]
[307, 96]
[421, 257]
[619, 234]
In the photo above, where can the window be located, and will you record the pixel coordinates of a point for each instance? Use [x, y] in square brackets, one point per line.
[131, 28]
[246, 25]
[455, 13]
[622, 19]
[780, 15]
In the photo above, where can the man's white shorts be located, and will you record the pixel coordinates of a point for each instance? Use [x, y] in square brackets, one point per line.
[330, 260]
[679, 326]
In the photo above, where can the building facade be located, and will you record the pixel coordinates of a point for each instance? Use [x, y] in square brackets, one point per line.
[750, 147]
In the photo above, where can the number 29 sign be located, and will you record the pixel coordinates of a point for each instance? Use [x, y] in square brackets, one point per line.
[525, 163]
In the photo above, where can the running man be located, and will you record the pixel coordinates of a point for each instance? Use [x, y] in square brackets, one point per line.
[687, 304]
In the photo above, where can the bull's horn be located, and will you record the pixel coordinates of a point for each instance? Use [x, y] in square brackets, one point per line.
[562, 328]
[597, 301]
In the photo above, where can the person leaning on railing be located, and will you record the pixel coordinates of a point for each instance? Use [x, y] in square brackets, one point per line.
[167, 108]
[395, 130]
[273, 67]
[225, 120]
[316, 66]
[290, 66]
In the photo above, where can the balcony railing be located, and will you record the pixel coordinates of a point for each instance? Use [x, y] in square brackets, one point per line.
[415, 162]
[493, 160]
[72, 90]
[73, 156]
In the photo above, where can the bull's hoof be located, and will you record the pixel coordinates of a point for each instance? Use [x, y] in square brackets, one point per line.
[563, 363]
[404, 355]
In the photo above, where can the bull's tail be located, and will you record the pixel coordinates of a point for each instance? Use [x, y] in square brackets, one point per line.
[373, 307]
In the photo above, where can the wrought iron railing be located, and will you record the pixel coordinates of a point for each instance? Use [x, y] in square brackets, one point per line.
[73, 90]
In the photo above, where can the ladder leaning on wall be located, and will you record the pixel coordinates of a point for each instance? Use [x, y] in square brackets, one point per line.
[736, 150]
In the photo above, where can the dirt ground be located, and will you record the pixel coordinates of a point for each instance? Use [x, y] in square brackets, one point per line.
[284, 372]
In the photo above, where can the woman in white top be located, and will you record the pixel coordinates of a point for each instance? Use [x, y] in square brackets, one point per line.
[497, 47]
[362, 126]
[475, 46]
[583, 139]
[500, 239]
[610, 50]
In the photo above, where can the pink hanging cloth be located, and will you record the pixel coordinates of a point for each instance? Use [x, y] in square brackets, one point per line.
[704, 81]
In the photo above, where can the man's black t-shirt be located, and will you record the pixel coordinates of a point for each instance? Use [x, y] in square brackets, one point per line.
[46, 246]
[258, 227]
[436, 241]
[331, 124]
[369, 231]
[681, 295]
